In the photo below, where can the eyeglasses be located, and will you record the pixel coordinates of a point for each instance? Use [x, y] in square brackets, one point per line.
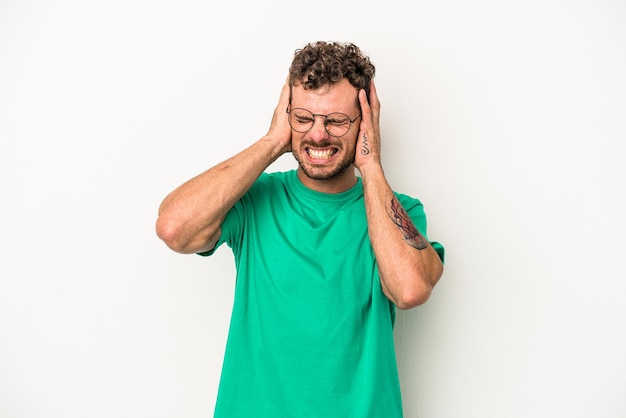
[336, 124]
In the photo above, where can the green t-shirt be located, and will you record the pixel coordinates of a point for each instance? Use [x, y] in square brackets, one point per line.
[311, 332]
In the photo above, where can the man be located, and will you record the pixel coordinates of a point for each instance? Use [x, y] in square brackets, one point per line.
[323, 256]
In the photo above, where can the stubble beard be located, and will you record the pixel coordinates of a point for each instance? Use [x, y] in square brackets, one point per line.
[322, 172]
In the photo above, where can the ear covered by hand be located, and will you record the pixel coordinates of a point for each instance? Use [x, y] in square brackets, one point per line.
[368, 140]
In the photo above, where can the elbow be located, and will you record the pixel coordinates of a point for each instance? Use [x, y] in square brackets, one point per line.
[420, 289]
[167, 232]
[170, 233]
[414, 297]
[179, 237]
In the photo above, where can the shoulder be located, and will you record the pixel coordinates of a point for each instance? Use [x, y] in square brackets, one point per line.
[267, 183]
[408, 201]
[276, 177]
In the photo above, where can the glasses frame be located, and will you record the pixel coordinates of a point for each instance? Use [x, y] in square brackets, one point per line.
[352, 120]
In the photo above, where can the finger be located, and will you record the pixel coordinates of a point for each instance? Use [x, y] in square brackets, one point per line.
[365, 106]
[284, 95]
[279, 118]
[374, 102]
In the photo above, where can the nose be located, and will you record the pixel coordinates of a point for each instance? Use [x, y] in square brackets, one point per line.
[318, 130]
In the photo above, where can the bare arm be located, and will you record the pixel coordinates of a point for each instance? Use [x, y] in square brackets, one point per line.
[409, 266]
[190, 217]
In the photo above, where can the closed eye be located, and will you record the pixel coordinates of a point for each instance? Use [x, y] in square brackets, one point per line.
[337, 121]
[303, 119]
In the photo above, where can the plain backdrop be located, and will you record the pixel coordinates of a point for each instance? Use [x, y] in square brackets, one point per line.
[506, 118]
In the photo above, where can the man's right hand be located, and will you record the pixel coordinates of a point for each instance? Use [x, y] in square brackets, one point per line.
[279, 128]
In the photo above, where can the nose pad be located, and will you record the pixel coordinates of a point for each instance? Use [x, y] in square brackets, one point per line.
[318, 130]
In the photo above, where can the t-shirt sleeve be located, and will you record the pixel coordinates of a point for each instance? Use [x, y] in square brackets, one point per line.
[231, 228]
[415, 209]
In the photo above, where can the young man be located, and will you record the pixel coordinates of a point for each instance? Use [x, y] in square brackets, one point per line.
[323, 256]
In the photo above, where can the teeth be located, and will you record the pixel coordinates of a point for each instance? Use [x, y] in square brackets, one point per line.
[320, 154]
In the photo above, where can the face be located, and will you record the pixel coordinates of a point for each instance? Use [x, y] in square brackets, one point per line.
[323, 157]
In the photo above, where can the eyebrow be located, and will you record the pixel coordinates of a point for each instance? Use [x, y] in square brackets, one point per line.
[358, 109]
[356, 102]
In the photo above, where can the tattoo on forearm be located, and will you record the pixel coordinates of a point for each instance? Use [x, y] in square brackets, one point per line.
[364, 149]
[412, 236]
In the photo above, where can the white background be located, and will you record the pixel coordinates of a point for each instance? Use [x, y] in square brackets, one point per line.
[507, 119]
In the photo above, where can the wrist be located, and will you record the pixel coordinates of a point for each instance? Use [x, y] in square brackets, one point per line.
[277, 146]
[371, 169]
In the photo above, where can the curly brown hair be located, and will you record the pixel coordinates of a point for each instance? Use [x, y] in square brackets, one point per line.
[325, 63]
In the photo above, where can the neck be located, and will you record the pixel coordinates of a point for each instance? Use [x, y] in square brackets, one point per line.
[337, 184]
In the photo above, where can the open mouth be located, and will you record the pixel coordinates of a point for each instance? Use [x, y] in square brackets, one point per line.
[321, 154]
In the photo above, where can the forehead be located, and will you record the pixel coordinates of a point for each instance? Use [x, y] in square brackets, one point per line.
[339, 97]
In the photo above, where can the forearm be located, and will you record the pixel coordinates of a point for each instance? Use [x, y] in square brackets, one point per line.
[408, 265]
[190, 217]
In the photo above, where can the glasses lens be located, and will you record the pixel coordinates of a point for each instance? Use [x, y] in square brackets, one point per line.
[301, 120]
[337, 124]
